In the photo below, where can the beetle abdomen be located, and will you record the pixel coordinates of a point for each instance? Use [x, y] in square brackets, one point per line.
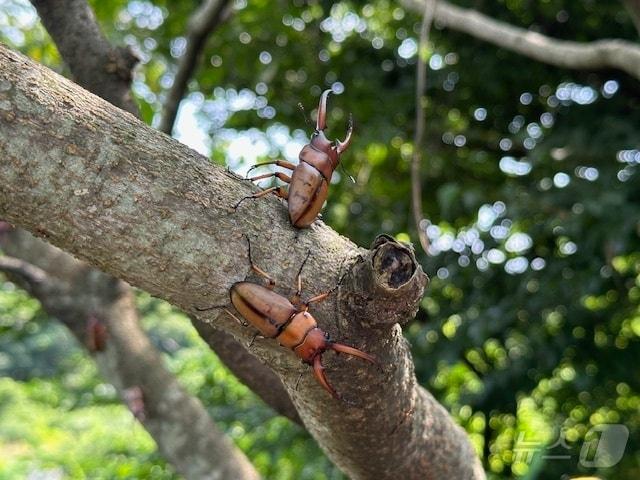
[263, 308]
[307, 194]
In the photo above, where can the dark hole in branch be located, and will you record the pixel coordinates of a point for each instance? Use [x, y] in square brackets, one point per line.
[394, 266]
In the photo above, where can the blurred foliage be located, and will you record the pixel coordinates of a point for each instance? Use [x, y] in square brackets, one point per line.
[529, 331]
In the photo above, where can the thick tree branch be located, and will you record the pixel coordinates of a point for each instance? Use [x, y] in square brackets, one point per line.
[78, 295]
[145, 208]
[71, 23]
[609, 53]
[421, 87]
[204, 21]
[94, 63]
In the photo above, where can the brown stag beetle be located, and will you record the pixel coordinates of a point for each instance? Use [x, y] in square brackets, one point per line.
[287, 320]
[309, 182]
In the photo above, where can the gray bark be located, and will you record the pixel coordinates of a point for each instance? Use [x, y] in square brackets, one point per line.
[608, 53]
[72, 25]
[139, 205]
[74, 293]
[94, 63]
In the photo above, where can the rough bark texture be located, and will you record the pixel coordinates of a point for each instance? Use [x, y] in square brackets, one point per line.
[94, 62]
[610, 53]
[75, 294]
[72, 25]
[143, 207]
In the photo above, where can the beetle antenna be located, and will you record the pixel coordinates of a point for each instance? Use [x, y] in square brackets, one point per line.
[255, 268]
[307, 120]
[304, 262]
[299, 276]
[353, 180]
[248, 247]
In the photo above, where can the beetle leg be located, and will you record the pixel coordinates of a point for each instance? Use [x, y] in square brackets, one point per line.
[282, 176]
[339, 347]
[212, 307]
[342, 146]
[318, 298]
[321, 124]
[279, 163]
[318, 372]
[244, 323]
[279, 191]
[258, 270]
[253, 339]
[296, 299]
[298, 381]
[322, 296]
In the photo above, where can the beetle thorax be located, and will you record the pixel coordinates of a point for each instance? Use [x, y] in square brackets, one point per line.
[320, 142]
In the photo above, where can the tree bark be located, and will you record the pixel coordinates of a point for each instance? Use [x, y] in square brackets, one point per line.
[94, 62]
[248, 369]
[76, 295]
[72, 24]
[139, 205]
[608, 53]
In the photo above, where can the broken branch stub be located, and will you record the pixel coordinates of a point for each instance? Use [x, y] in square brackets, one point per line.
[385, 285]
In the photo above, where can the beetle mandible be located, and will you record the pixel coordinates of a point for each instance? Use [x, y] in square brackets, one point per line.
[288, 320]
[309, 182]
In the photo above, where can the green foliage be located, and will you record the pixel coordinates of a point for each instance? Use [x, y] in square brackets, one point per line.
[531, 323]
[39, 434]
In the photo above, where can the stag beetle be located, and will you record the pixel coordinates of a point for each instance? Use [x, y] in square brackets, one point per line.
[287, 320]
[309, 182]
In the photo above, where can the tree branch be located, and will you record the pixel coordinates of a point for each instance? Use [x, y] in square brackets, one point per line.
[609, 53]
[204, 21]
[71, 24]
[94, 63]
[78, 295]
[421, 87]
[248, 369]
[145, 208]
[633, 7]
[33, 277]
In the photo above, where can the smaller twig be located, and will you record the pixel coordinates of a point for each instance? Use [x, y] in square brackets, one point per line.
[416, 159]
[204, 21]
[615, 53]
[34, 276]
[633, 7]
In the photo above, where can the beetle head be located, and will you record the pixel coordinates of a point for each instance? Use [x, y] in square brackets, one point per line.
[319, 139]
[313, 345]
